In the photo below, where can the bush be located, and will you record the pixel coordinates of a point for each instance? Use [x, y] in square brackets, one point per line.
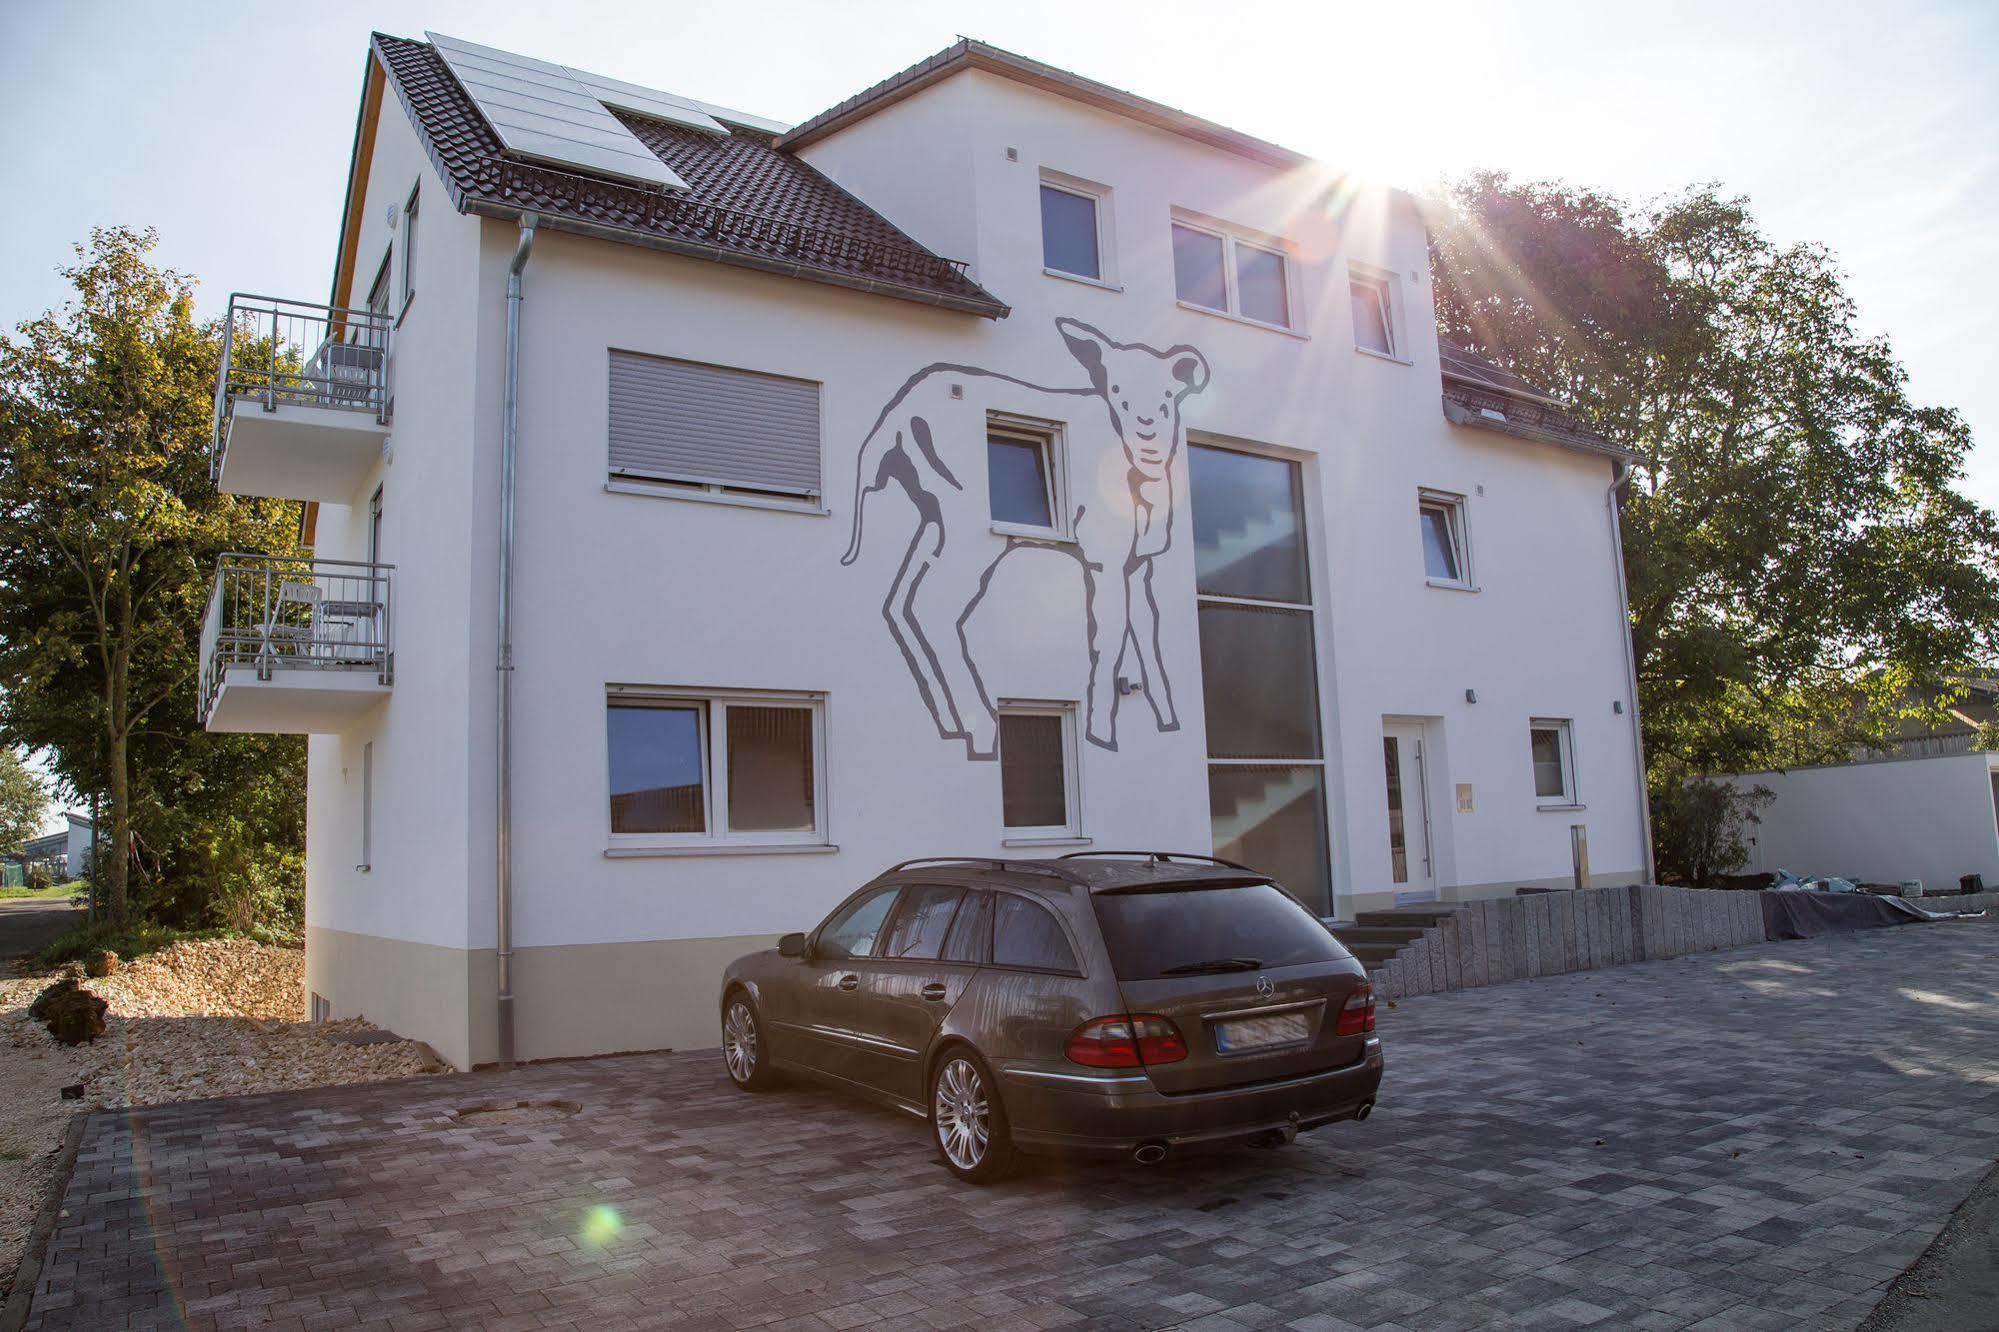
[1700, 827]
[136, 940]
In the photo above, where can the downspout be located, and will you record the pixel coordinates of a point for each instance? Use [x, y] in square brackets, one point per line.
[509, 446]
[1618, 482]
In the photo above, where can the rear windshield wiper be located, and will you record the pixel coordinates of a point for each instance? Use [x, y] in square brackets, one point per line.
[1214, 964]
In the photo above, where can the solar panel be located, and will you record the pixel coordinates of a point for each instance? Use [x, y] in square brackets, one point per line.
[560, 115]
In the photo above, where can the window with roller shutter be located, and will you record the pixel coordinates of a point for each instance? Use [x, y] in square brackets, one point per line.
[713, 427]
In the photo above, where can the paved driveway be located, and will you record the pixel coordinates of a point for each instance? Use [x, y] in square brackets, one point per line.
[1758, 1139]
[26, 923]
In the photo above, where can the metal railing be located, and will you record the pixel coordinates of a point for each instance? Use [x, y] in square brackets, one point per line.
[277, 352]
[280, 613]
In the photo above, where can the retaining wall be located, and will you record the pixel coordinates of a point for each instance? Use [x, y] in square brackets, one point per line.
[1545, 934]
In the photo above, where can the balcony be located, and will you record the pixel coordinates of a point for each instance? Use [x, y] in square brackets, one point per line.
[295, 646]
[302, 401]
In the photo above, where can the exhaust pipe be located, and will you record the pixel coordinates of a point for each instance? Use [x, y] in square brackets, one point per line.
[1149, 1153]
[1366, 1109]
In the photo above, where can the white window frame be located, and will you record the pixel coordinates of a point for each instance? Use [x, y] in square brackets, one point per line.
[1564, 729]
[409, 245]
[1456, 515]
[1100, 196]
[1231, 237]
[1388, 287]
[718, 837]
[1069, 832]
[1053, 441]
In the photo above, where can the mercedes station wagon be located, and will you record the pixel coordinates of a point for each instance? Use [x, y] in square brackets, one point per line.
[1113, 1003]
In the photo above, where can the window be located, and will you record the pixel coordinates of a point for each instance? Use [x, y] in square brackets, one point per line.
[1554, 762]
[367, 808]
[1219, 271]
[1373, 315]
[971, 931]
[1259, 667]
[1037, 745]
[714, 429]
[375, 527]
[851, 931]
[716, 769]
[1027, 936]
[1025, 476]
[1074, 228]
[1446, 557]
[409, 247]
[1153, 936]
[922, 922]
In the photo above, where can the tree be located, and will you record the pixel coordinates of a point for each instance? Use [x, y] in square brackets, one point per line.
[1800, 560]
[23, 801]
[109, 529]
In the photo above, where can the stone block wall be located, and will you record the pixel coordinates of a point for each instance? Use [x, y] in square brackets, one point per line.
[1545, 934]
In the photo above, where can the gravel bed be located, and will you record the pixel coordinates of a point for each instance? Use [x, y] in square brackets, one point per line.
[218, 1017]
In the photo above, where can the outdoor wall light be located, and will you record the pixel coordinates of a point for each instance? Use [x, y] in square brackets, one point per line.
[1471, 695]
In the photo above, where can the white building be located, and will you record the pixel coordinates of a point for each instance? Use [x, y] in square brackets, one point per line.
[1155, 520]
[1934, 818]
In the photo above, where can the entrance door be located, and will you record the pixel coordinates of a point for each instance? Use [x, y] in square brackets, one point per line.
[1409, 859]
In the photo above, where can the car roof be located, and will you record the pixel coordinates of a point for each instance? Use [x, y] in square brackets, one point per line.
[1091, 874]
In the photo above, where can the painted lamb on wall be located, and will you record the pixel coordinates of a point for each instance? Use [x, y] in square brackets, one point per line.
[930, 440]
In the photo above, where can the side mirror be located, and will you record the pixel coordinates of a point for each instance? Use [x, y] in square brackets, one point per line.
[791, 945]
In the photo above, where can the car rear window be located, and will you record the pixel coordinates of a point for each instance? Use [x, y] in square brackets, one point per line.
[1157, 934]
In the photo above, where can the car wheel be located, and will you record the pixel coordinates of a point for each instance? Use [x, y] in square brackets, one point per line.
[967, 1119]
[745, 1053]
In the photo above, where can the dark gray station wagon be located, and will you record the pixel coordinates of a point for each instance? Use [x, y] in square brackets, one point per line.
[1130, 1004]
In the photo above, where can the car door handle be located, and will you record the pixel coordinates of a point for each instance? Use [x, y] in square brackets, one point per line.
[934, 990]
[850, 982]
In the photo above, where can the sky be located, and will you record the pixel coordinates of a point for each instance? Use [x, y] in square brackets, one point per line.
[1871, 129]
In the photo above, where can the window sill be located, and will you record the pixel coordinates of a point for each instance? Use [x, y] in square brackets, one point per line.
[806, 507]
[1051, 839]
[1086, 281]
[1235, 318]
[1390, 357]
[640, 852]
[1450, 585]
[404, 313]
[1025, 533]
[1561, 809]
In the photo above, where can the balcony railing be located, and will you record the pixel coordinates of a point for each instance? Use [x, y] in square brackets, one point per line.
[281, 614]
[278, 353]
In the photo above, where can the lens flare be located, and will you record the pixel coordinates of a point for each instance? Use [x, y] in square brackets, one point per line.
[603, 1224]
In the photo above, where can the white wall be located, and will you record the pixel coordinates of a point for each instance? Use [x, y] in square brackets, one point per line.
[1923, 818]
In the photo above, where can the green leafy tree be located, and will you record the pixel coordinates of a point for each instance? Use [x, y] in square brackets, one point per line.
[109, 533]
[23, 801]
[1801, 561]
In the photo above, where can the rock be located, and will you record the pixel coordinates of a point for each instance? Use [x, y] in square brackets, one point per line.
[101, 964]
[73, 1092]
[72, 1014]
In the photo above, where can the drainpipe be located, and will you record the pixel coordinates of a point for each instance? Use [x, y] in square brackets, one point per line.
[509, 446]
[1618, 482]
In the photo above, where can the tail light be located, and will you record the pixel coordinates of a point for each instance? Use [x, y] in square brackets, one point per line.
[1126, 1040]
[1357, 1013]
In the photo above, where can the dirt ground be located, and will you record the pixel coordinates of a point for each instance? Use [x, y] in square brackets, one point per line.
[197, 1020]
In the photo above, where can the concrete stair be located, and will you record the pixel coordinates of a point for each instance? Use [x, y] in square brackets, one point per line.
[1376, 938]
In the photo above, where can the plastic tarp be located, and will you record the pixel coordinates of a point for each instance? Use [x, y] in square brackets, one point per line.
[1802, 914]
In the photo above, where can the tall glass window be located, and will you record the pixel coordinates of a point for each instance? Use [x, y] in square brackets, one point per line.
[1259, 668]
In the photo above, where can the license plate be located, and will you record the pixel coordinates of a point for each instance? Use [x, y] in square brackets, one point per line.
[1258, 1033]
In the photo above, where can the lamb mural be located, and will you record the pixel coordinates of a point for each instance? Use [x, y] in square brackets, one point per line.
[931, 439]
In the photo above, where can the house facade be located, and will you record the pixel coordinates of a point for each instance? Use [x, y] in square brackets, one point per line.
[998, 464]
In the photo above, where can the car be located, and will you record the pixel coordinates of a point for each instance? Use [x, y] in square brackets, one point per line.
[1119, 1004]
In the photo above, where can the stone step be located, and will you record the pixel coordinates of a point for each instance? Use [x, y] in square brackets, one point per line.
[1373, 954]
[1377, 934]
[1421, 917]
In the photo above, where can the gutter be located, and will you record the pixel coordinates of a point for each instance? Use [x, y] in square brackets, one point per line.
[503, 834]
[1619, 480]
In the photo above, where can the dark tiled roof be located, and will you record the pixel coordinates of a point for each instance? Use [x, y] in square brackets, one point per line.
[747, 203]
[1481, 394]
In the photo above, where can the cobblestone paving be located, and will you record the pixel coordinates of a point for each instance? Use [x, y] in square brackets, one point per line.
[1762, 1138]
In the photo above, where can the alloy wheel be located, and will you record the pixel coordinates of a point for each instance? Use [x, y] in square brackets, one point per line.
[964, 1119]
[739, 1041]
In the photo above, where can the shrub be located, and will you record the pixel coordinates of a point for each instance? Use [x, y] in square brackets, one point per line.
[1700, 827]
[135, 940]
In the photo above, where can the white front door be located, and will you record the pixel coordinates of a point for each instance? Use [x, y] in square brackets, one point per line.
[1410, 864]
